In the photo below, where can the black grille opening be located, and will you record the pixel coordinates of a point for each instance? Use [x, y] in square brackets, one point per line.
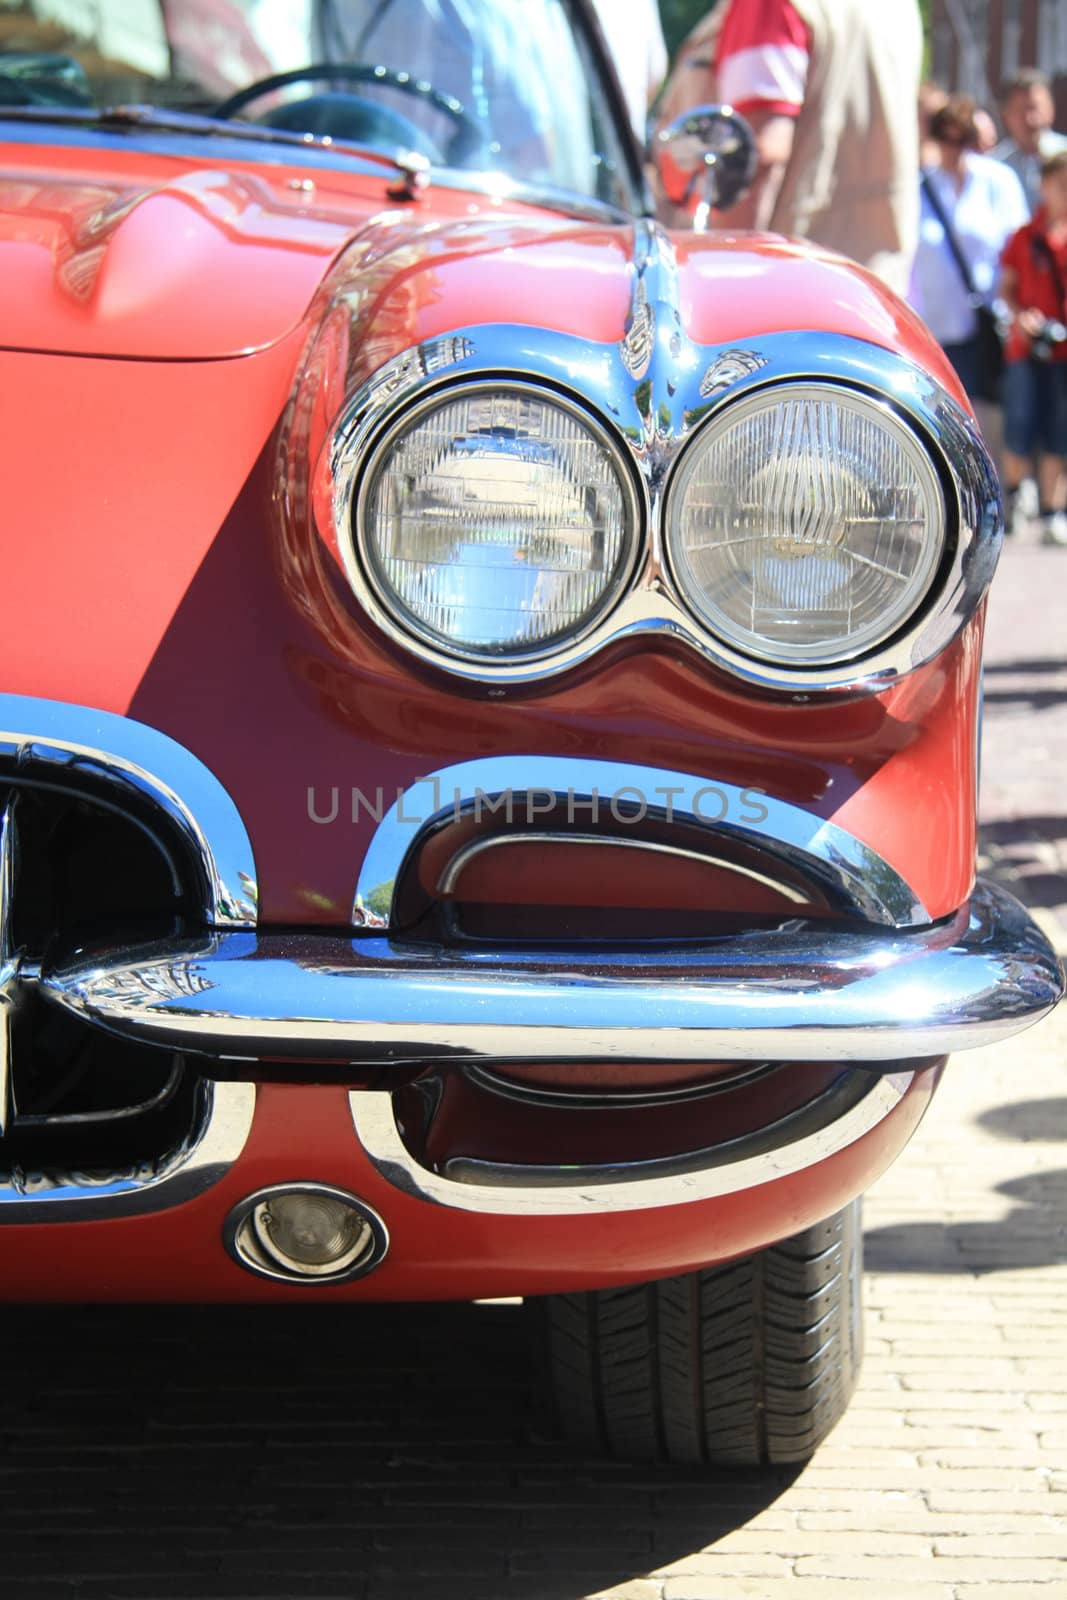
[83, 867]
[86, 1100]
[73, 1097]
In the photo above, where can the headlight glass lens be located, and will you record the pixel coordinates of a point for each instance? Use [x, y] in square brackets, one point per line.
[310, 1232]
[498, 523]
[806, 525]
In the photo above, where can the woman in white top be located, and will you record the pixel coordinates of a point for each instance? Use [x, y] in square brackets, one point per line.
[633, 34]
[984, 203]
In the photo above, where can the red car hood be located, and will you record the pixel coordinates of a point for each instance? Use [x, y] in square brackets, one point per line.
[197, 266]
[159, 263]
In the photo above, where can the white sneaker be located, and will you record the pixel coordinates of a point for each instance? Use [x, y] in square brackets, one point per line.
[1012, 516]
[1054, 528]
[1020, 509]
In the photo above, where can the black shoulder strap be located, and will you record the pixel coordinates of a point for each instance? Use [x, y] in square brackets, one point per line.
[1057, 281]
[1044, 257]
[950, 235]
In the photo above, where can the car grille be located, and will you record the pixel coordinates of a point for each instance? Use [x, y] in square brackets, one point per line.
[75, 871]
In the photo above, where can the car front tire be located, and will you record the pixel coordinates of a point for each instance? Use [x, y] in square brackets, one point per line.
[752, 1363]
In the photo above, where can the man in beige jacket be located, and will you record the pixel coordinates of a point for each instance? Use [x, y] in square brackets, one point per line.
[829, 88]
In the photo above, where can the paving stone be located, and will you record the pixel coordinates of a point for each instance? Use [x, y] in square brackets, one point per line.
[729, 1563]
[931, 1524]
[640, 1589]
[1041, 1500]
[1047, 1589]
[802, 1589]
[1004, 1546]
[930, 1570]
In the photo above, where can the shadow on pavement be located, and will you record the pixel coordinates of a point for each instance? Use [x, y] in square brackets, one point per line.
[369, 1452]
[1033, 699]
[1037, 696]
[1024, 854]
[1042, 664]
[1010, 830]
[1027, 1119]
[1033, 1234]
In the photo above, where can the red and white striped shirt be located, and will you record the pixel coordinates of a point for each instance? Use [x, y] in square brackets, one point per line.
[762, 55]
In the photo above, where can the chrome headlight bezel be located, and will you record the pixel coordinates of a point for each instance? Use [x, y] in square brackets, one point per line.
[809, 663]
[651, 426]
[361, 563]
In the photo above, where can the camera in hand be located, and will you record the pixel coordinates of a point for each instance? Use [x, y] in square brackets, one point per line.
[1043, 343]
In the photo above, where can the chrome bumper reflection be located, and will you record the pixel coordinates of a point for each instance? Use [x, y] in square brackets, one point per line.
[798, 992]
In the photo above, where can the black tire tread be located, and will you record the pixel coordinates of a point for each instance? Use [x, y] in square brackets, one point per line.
[750, 1363]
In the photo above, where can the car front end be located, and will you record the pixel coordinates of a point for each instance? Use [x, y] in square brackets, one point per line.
[489, 738]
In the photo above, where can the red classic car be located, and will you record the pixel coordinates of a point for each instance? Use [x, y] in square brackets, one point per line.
[490, 708]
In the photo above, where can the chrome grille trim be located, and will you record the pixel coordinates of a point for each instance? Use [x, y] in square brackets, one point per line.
[65, 745]
[857, 878]
[453, 872]
[183, 1174]
[107, 759]
[850, 1108]
[9, 964]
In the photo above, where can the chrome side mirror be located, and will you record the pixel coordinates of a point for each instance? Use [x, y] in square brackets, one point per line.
[708, 155]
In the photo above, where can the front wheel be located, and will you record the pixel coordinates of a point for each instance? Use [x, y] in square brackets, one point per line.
[753, 1362]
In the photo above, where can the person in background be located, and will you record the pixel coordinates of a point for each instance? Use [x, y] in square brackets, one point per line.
[932, 96]
[692, 80]
[983, 204]
[985, 131]
[633, 34]
[1034, 287]
[1028, 111]
[829, 88]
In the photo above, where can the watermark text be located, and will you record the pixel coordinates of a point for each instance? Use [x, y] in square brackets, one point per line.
[427, 800]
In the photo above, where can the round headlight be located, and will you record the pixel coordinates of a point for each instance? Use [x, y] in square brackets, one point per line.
[806, 525]
[496, 522]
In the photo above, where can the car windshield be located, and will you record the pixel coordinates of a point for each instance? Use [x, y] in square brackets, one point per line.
[500, 86]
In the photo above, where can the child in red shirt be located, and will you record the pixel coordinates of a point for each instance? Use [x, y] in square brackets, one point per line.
[1034, 285]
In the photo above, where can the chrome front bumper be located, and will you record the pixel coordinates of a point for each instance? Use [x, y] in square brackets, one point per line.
[798, 992]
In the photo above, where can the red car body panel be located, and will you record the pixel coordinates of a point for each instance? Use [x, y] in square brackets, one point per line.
[168, 260]
[435, 1253]
[176, 344]
[121, 268]
[149, 510]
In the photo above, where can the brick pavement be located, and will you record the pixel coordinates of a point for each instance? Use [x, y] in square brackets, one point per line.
[1024, 779]
[225, 1454]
